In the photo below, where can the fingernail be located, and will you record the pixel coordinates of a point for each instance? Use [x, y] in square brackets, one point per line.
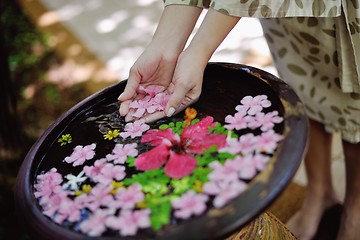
[170, 112]
[120, 96]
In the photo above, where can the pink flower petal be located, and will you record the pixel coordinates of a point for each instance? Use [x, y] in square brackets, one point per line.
[198, 144]
[153, 159]
[152, 90]
[157, 137]
[189, 204]
[180, 165]
[198, 129]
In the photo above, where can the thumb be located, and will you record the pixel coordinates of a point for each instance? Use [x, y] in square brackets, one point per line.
[130, 88]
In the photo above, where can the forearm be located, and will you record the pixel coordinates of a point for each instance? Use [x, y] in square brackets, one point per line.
[211, 33]
[175, 27]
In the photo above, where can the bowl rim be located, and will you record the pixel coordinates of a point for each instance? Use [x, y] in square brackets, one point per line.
[296, 130]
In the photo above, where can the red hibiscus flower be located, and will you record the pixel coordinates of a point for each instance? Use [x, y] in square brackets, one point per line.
[177, 152]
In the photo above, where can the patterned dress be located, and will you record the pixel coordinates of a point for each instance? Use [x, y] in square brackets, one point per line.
[315, 46]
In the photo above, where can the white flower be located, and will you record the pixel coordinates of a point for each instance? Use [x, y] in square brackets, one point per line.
[74, 181]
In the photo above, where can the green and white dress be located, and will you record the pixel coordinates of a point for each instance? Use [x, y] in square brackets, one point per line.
[315, 45]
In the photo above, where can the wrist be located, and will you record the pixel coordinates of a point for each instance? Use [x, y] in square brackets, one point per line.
[197, 58]
[175, 27]
[211, 33]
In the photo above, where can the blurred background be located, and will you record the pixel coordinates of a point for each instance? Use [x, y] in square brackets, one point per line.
[56, 53]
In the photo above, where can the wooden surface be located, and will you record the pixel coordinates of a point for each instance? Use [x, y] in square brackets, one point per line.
[265, 226]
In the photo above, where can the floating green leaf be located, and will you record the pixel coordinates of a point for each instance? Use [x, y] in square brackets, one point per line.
[181, 185]
[152, 181]
[163, 126]
[130, 161]
[65, 139]
[162, 208]
[201, 174]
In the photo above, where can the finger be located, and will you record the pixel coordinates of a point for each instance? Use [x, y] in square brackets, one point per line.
[154, 116]
[131, 87]
[129, 116]
[124, 107]
[175, 100]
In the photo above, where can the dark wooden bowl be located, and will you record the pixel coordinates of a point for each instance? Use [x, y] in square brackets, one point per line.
[224, 86]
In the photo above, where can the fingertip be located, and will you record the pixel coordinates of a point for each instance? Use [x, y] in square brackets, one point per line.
[154, 116]
[130, 89]
[176, 98]
[170, 112]
[128, 118]
[124, 108]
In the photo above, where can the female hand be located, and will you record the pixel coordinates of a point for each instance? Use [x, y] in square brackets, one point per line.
[156, 65]
[182, 77]
[153, 67]
[188, 75]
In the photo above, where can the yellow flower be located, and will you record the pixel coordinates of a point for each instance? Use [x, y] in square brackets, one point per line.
[112, 134]
[141, 205]
[198, 186]
[116, 186]
[86, 188]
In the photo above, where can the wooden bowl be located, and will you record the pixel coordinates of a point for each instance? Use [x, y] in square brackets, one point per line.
[224, 86]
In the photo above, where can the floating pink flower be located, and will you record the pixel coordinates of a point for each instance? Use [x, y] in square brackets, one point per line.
[175, 151]
[68, 210]
[232, 191]
[267, 121]
[189, 204]
[129, 222]
[253, 105]
[47, 183]
[227, 172]
[99, 196]
[224, 191]
[260, 161]
[81, 154]
[121, 152]
[93, 171]
[267, 141]
[94, 225]
[246, 144]
[247, 167]
[135, 129]
[232, 146]
[110, 172]
[128, 198]
[51, 204]
[238, 121]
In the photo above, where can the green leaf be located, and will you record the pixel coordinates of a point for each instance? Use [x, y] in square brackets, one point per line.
[195, 120]
[152, 181]
[201, 174]
[179, 124]
[219, 129]
[130, 161]
[223, 156]
[160, 211]
[163, 126]
[181, 185]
